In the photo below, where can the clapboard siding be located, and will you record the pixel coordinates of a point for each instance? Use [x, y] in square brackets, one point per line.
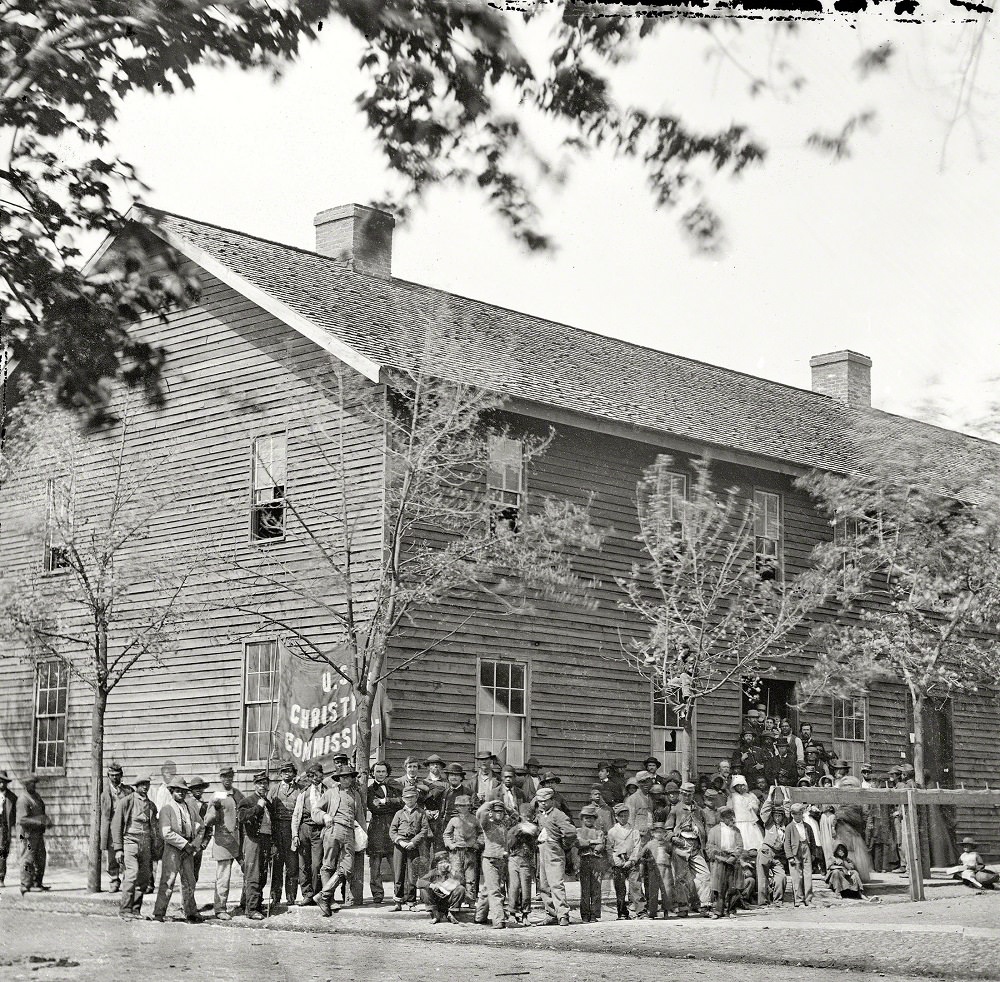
[233, 372]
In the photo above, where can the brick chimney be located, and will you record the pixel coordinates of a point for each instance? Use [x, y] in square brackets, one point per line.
[843, 375]
[358, 234]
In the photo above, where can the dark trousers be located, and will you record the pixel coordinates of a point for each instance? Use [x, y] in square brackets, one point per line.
[628, 891]
[357, 880]
[114, 871]
[376, 861]
[591, 873]
[138, 872]
[256, 859]
[3, 866]
[310, 859]
[661, 888]
[32, 859]
[285, 865]
[440, 905]
[404, 875]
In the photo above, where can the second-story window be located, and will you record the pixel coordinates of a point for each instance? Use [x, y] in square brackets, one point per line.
[58, 523]
[267, 510]
[767, 534]
[505, 481]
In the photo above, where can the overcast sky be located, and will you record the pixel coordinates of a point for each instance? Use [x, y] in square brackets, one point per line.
[889, 253]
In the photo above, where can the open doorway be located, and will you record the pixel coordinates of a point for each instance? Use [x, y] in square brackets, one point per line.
[773, 697]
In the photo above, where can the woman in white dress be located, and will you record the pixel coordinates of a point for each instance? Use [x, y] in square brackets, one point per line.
[747, 808]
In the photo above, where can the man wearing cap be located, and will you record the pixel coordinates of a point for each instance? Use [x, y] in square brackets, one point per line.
[592, 848]
[112, 791]
[799, 844]
[409, 832]
[866, 775]
[685, 826]
[550, 780]
[531, 781]
[436, 783]
[556, 837]
[32, 823]
[640, 804]
[226, 846]
[339, 810]
[307, 836]
[624, 846]
[494, 818]
[617, 778]
[179, 834]
[135, 836]
[257, 816]
[285, 868]
[199, 811]
[8, 822]
[383, 802]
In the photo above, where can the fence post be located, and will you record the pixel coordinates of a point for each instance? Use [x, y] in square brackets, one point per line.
[913, 862]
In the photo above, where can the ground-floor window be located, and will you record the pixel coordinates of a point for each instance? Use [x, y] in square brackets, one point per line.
[260, 700]
[850, 732]
[51, 697]
[502, 710]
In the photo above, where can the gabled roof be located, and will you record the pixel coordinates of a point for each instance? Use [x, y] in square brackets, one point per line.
[373, 323]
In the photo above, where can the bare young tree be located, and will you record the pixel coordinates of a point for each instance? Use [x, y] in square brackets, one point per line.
[93, 590]
[918, 537]
[428, 538]
[718, 610]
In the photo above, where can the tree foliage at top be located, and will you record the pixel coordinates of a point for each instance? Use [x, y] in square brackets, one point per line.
[918, 536]
[445, 89]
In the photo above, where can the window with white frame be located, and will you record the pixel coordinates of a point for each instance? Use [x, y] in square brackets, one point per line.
[51, 698]
[58, 522]
[260, 700]
[850, 731]
[767, 534]
[505, 481]
[267, 513]
[501, 710]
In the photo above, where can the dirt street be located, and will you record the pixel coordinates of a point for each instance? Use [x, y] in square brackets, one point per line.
[43, 947]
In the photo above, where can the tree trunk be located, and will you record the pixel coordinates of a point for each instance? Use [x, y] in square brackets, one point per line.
[918, 738]
[688, 747]
[94, 856]
[362, 749]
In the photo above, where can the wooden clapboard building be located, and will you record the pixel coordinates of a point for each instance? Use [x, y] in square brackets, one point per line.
[241, 377]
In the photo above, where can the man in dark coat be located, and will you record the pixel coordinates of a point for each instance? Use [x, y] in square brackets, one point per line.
[457, 787]
[113, 791]
[258, 819]
[285, 869]
[384, 800]
[32, 823]
[8, 822]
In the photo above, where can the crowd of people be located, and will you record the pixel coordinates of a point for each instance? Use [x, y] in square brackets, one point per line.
[453, 842]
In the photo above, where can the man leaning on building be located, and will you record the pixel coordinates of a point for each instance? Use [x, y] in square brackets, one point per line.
[8, 822]
[110, 795]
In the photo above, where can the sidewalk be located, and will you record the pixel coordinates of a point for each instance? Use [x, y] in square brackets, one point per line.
[955, 933]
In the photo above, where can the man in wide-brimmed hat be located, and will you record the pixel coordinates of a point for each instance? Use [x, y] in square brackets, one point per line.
[199, 810]
[339, 810]
[384, 800]
[32, 822]
[530, 783]
[113, 790]
[258, 820]
[135, 837]
[8, 822]
[179, 834]
[455, 775]
[485, 786]
[285, 866]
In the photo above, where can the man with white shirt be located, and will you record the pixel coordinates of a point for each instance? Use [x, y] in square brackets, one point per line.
[179, 830]
[510, 792]
[307, 836]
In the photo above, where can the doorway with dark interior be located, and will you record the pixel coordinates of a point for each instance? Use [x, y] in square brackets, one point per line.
[775, 698]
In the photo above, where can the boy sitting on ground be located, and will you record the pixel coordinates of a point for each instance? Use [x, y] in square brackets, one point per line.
[441, 891]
